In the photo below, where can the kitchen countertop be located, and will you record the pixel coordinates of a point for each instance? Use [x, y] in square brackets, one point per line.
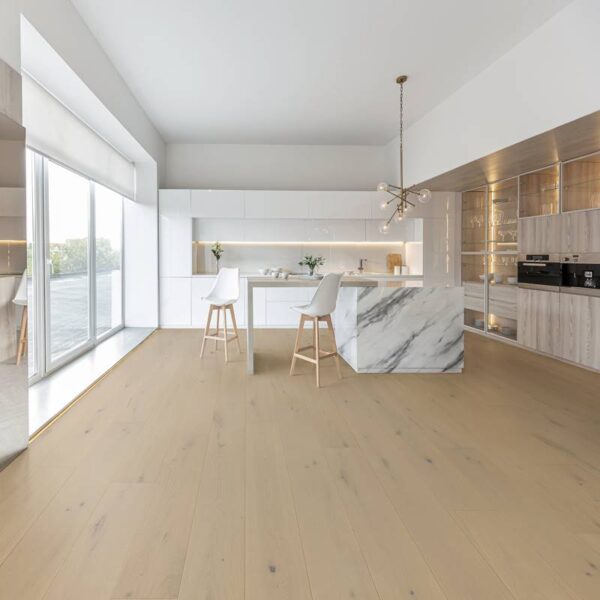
[266, 281]
[364, 276]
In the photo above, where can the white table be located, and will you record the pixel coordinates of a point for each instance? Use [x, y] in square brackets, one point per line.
[266, 282]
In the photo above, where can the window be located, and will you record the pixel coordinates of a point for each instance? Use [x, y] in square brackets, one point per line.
[75, 239]
[108, 207]
[68, 261]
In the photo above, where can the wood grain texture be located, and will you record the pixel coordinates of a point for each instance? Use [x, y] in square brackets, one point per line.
[579, 334]
[540, 235]
[538, 320]
[580, 232]
[180, 478]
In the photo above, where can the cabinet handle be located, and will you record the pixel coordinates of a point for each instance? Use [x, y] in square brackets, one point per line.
[534, 264]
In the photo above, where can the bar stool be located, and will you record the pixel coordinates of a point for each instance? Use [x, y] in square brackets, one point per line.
[20, 299]
[319, 310]
[224, 294]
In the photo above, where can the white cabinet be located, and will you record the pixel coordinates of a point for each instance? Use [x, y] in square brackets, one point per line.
[213, 204]
[340, 205]
[224, 230]
[175, 301]
[538, 320]
[580, 329]
[175, 234]
[279, 303]
[272, 204]
[408, 230]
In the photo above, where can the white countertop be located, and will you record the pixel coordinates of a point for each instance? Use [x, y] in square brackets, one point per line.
[364, 276]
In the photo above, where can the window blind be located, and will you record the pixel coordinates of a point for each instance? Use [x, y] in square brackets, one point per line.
[55, 131]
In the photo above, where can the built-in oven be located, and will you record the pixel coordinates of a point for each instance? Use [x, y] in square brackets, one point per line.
[538, 269]
[581, 275]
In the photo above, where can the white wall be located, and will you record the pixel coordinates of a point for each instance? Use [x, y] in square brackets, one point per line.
[9, 33]
[548, 79]
[264, 167]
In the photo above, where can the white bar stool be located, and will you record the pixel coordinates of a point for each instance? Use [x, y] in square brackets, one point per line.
[224, 294]
[319, 309]
[20, 299]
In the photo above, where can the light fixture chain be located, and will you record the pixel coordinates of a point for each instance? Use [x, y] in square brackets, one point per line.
[402, 138]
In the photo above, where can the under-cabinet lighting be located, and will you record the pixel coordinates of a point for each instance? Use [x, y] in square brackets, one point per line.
[12, 242]
[312, 243]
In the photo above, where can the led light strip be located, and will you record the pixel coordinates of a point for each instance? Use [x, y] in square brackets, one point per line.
[312, 243]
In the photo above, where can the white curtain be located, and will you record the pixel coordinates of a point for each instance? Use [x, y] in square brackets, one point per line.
[55, 131]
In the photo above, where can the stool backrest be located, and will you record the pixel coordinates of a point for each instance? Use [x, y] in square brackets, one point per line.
[325, 298]
[227, 284]
[21, 295]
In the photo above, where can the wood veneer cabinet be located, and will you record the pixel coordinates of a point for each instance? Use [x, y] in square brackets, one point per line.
[540, 235]
[580, 232]
[538, 318]
[539, 192]
[579, 327]
[581, 183]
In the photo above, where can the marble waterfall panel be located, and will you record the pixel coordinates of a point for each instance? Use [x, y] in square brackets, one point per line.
[402, 329]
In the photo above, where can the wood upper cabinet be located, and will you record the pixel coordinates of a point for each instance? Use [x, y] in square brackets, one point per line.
[579, 335]
[580, 232]
[539, 192]
[581, 183]
[538, 319]
[540, 235]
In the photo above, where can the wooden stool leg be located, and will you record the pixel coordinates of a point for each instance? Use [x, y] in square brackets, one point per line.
[22, 336]
[206, 329]
[218, 308]
[225, 341]
[298, 340]
[336, 356]
[235, 329]
[317, 351]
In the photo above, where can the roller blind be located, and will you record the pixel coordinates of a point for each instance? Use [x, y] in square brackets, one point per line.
[55, 131]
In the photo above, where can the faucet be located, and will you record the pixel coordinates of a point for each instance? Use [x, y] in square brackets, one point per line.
[361, 264]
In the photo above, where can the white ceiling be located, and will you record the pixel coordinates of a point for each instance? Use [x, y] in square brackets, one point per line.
[301, 71]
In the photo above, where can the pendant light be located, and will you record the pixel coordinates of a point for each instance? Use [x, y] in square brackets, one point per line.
[400, 194]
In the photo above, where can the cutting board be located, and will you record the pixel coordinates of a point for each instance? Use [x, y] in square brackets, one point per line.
[393, 260]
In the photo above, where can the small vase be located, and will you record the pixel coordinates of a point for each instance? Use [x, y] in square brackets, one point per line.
[218, 265]
[311, 272]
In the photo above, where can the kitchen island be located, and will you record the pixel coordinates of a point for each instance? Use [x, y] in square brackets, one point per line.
[401, 329]
[382, 329]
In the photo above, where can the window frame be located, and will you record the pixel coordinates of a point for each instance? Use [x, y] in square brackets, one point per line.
[41, 272]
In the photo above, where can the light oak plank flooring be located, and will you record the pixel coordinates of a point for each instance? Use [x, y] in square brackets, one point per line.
[177, 478]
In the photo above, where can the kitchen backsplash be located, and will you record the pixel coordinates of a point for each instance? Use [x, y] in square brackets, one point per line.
[338, 257]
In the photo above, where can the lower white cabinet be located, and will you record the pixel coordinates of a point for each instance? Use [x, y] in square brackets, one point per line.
[580, 329]
[538, 320]
[279, 303]
[175, 301]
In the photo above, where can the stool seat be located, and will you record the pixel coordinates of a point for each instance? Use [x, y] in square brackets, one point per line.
[220, 301]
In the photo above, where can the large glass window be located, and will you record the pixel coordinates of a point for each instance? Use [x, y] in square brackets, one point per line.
[109, 228]
[68, 260]
[75, 234]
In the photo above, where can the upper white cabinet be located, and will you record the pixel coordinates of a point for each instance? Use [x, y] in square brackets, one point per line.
[209, 204]
[175, 231]
[341, 205]
[276, 204]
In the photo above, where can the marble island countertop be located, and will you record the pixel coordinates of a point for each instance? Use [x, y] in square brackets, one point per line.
[300, 281]
[366, 275]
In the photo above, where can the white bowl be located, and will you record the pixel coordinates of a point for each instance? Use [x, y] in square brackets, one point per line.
[263, 271]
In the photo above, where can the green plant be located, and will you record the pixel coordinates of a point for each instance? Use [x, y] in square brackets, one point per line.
[312, 262]
[217, 250]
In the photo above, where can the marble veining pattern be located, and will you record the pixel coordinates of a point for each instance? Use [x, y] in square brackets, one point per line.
[402, 329]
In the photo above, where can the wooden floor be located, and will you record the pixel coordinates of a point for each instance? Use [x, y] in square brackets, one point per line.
[176, 478]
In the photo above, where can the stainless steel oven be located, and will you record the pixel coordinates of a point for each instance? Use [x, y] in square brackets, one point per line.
[538, 269]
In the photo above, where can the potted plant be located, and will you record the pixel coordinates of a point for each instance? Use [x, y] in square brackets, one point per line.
[217, 251]
[312, 262]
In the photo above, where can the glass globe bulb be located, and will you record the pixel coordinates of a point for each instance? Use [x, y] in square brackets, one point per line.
[382, 187]
[424, 196]
[384, 205]
[384, 228]
[408, 208]
[399, 216]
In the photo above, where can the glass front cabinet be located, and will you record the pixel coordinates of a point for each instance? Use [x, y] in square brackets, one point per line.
[489, 258]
